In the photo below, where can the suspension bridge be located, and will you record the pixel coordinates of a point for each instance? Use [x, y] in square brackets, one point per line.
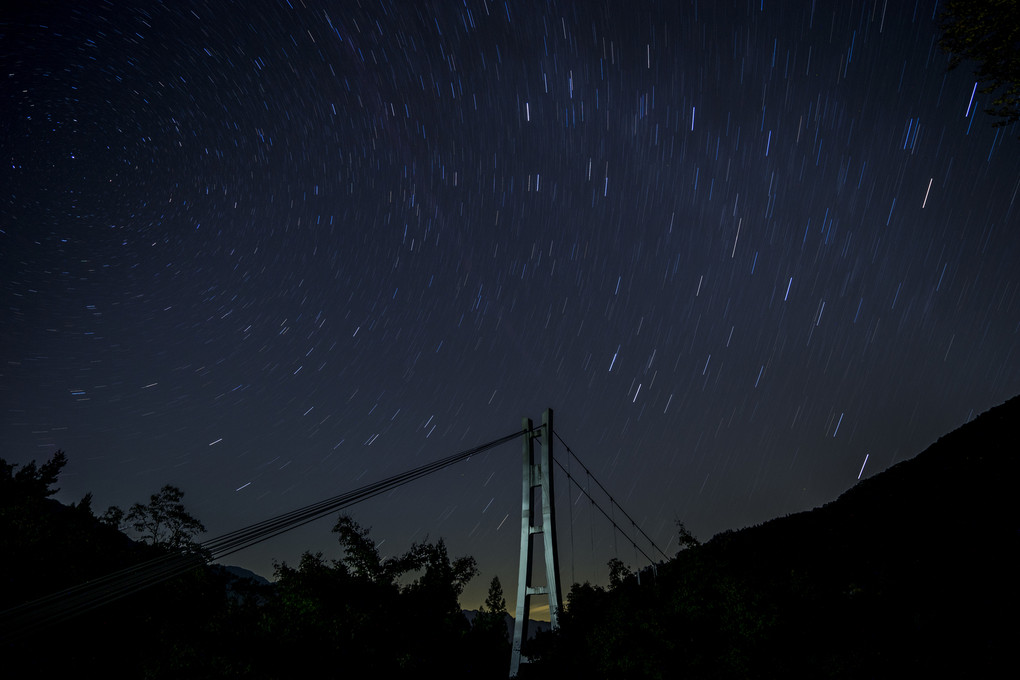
[538, 518]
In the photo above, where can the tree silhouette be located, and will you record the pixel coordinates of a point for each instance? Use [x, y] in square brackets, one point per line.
[53, 547]
[685, 539]
[362, 615]
[164, 522]
[618, 571]
[31, 481]
[987, 32]
[361, 557]
[495, 601]
[112, 517]
[489, 639]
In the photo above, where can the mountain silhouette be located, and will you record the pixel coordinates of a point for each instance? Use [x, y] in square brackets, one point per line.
[910, 571]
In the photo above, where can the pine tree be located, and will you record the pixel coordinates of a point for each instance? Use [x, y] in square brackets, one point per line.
[492, 615]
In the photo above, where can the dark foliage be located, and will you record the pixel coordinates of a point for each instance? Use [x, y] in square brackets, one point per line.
[56, 546]
[987, 32]
[49, 547]
[361, 614]
[489, 648]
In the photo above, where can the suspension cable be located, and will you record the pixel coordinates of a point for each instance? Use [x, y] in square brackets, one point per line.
[570, 513]
[612, 500]
[68, 603]
[611, 520]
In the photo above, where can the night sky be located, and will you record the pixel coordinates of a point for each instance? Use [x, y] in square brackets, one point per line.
[272, 251]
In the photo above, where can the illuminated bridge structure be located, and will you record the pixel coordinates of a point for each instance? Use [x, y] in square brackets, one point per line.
[538, 518]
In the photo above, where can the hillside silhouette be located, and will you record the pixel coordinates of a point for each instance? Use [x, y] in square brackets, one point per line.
[910, 571]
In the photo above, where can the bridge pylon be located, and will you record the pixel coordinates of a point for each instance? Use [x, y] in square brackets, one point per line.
[537, 474]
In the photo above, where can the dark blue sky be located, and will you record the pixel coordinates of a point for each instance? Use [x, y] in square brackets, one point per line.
[270, 251]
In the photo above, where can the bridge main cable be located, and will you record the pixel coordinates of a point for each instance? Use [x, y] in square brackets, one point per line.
[232, 542]
[71, 602]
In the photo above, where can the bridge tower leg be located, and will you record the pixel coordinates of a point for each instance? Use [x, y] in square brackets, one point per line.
[537, 473]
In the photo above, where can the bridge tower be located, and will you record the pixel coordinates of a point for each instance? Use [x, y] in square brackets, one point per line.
[537, 474]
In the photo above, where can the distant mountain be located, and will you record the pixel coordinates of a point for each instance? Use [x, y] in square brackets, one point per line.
[910, 572]
[242, 573]
[534, 627]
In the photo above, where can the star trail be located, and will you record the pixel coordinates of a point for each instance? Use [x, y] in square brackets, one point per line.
[273, 251]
